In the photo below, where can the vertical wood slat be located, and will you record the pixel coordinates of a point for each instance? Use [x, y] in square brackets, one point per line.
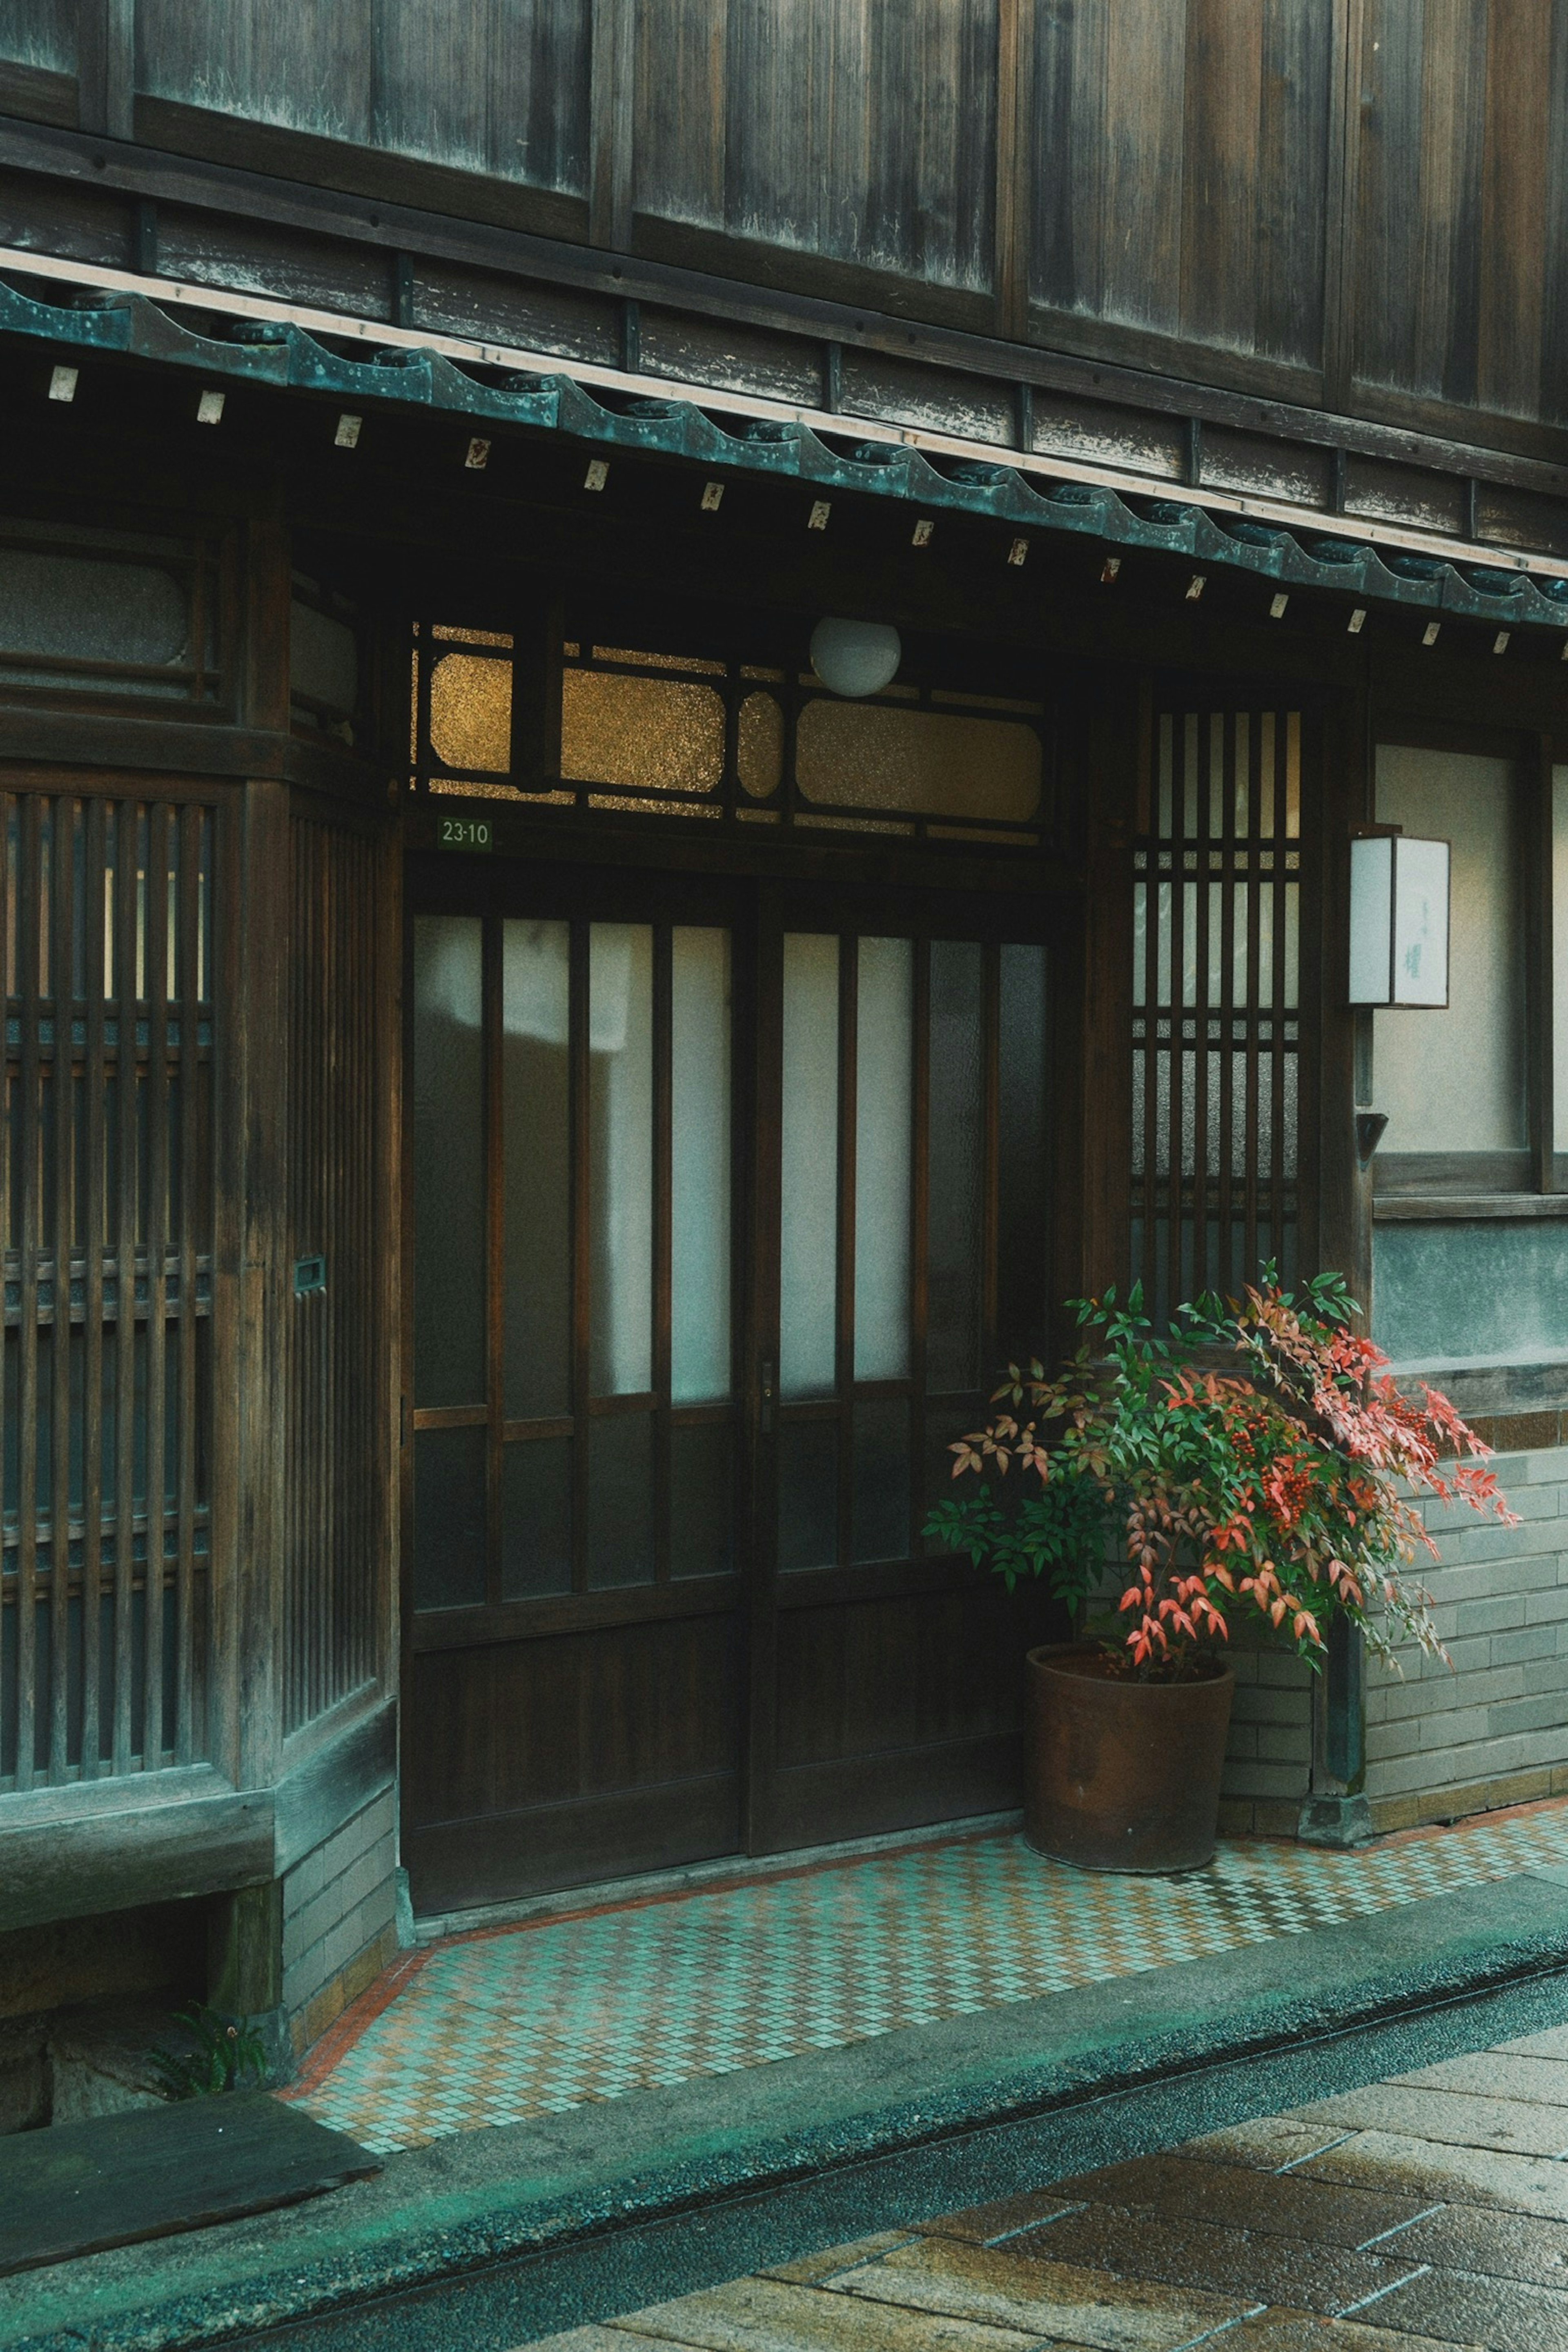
[188, 911]
[157, 1246]
[1152, 926]
[125, 953]
[94, 1081]
[1252, 903]
[1175, 1138]
[28, 950]
[59, 983]
[1203, 1273]
[1278, 992]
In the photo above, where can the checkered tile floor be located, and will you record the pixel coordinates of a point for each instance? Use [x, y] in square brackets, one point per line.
[506, 2023]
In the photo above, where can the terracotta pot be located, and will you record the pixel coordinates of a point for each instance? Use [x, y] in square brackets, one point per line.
[1122, 1775]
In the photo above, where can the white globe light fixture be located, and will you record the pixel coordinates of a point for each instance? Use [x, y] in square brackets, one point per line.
[854, 658]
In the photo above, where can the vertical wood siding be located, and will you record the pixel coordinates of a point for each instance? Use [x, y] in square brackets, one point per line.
[855, 130]
[335, 1452]
[491, 86]
[107, 1184]
[1179, 162]
[39, 33]
[1462, 211]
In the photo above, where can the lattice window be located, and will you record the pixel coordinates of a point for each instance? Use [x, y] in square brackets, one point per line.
[1216, 994]
[106, 1205]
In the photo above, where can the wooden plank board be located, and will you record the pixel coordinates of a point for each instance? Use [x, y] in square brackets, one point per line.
[117, 2179]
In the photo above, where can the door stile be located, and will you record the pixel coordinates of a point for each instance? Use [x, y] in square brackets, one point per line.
[493, 1118]
[844, 1334]
[663, 1209]
[578, 1112]
[990, 1163]
[920, 1224]
[758, 1204]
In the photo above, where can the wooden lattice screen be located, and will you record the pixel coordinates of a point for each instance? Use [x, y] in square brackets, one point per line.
[1216, 1001]
[335, 1469]
[106, 906]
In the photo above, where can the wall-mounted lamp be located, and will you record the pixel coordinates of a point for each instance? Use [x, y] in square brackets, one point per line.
[854, 658]
[1399, 922]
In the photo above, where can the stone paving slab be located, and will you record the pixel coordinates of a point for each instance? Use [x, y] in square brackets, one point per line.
[1461, 2117]
[1253, 2238]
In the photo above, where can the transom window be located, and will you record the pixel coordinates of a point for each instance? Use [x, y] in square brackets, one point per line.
[644, 732]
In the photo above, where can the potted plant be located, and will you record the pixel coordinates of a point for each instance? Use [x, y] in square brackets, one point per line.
[1258, 1466]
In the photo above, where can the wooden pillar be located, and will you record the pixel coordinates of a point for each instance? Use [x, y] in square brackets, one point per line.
[1336, 1812]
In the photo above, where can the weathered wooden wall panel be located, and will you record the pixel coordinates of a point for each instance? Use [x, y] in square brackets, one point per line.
[1461, 219]
[1179, 152]
[39, 33]
[337, 1531]
[492, 86]
[853, 130]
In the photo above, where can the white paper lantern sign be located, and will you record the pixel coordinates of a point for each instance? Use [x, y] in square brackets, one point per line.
[854, 658]
[1399, 922]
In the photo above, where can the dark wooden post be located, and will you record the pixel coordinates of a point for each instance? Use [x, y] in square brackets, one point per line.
[1336, 1812]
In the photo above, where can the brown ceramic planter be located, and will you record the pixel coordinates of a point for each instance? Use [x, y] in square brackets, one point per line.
[1122, 1775]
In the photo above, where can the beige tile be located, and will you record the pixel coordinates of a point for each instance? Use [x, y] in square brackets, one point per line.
[983, 2225]
[754, 2314]
[1055, 2300]
[1497, 2074]
[1457, 2118]
[811, 2270]
[613, 2338]
[1302, 2331]
[1436, 2173]
[1552, 2044]
[1265, 2144]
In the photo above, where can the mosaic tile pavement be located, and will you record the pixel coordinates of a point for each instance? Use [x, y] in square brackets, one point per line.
[505, 2022]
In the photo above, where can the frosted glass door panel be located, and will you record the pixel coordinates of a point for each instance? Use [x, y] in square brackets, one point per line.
[449, 1162]
[620, 1083]
[1453, 1080]
[1020, 1143]
[957, 1165]
[700, 1165]
[883, 1049]
[808, 1155]
[536, 1286]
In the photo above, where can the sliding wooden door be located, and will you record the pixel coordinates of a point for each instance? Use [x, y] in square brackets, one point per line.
[727, 1201]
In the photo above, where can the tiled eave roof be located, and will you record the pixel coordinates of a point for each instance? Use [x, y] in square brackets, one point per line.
[264, 342]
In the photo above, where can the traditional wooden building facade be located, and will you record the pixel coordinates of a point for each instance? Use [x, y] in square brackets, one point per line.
[530, 1121]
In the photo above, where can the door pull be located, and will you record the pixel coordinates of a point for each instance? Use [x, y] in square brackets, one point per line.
[768, 1375]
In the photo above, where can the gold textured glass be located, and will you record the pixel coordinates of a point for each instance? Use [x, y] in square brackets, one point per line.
[658, 734]
[470, 712]
[926, 762]
[760, 745]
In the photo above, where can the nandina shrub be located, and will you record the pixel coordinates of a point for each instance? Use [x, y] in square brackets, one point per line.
[1258, 1465]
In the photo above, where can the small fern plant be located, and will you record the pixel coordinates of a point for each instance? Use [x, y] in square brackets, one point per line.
[216, 2053]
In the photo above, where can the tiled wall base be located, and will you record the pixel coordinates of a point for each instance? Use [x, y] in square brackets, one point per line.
[338, 1920]
[1492, 1730]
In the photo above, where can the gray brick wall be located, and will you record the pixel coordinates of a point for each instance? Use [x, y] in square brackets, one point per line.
[1268, 1761]
[338, 1911]
[1494, 1729]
